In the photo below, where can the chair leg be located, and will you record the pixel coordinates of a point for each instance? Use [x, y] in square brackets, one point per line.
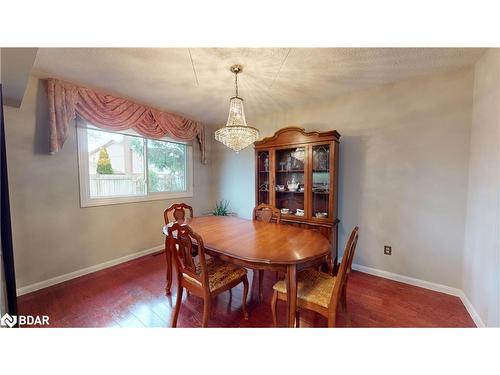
[178, 302]
[344, 305]
[206, 310]
[230, 300]
[261, 281]
[168, 257]
[274, 303]
[331, 266]
[331, 320]
[297, 319]
[245, 293]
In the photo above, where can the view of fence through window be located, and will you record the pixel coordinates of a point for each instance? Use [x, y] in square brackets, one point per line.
[118, 165]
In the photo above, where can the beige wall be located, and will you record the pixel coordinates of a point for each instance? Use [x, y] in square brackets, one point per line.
[481, 267]
[52, 234]
[404, 171]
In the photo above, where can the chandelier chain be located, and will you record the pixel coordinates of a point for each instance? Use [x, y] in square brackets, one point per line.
[236, 82]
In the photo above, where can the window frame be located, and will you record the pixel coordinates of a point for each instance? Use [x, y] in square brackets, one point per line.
[82, 127]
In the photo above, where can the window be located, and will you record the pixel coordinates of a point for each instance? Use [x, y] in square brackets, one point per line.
[125, 167]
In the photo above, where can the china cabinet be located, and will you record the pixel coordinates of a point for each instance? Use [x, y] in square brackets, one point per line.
[297, 172]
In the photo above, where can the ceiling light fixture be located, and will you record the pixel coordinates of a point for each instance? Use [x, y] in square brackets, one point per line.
[236, 134]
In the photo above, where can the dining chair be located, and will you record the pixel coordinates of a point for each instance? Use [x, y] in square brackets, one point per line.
[269, 214]
[205, 277]
[175, 212]
[354, 233]
[318, 291]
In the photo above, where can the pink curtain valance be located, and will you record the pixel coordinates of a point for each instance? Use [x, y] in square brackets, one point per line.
[110, 112]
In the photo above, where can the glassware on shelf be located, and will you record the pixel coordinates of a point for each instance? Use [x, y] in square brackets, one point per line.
[289, 178]
[263, 162]
[321, 181]
[298, 155]
[321, 215]
[320, 158]
[320, 187]
[263, 177]
[292, 185]
[322, 162]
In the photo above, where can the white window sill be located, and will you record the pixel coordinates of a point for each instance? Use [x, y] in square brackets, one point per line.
[133, 199]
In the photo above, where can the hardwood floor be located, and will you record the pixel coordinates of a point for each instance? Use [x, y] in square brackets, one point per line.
[132, 295]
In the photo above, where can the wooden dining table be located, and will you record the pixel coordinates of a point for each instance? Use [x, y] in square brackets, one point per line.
[263, 246]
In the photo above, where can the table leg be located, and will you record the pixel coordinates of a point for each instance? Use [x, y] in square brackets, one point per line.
[291, 289]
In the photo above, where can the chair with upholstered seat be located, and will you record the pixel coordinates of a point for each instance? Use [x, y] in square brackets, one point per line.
[176, 212]
[204, 277]
[319, 291]
[269, 214]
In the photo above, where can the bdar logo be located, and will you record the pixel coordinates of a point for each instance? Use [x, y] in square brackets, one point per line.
[8, 321]
[22, 320]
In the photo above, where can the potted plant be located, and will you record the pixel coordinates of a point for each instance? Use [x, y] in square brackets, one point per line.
[221, 208]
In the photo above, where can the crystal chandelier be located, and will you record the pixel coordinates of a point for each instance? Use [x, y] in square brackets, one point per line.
[236, 134]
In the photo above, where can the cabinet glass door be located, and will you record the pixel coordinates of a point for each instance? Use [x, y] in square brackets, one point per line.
[289, 179]
[263, 177]
[321, 170]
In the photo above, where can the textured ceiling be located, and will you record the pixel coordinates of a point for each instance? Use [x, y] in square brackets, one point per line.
[197, 82]
[16, 64]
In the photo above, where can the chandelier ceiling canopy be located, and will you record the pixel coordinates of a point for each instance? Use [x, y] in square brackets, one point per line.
[236, 134]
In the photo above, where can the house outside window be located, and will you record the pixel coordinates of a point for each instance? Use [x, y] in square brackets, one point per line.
[126, 167]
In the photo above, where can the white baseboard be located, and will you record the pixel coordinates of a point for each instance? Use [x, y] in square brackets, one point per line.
[408, 280]
[84, 271]
[426, 285]
[471, 310]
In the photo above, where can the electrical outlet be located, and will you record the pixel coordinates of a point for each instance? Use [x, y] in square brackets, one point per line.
[388, 250]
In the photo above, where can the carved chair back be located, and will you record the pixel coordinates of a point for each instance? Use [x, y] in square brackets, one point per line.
[266, 213]
[182, 240]
[177, 212]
